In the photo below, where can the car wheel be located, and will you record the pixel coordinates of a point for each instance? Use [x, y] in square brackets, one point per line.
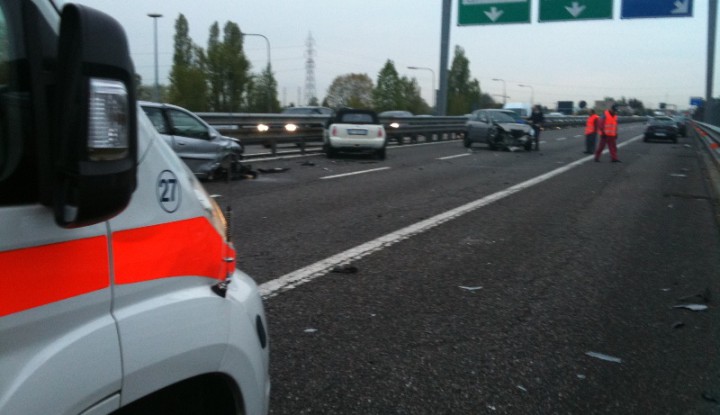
[466, 142]
[492, 139]
[528, 145]
[227, 168]
[380, 154]
[329, 151]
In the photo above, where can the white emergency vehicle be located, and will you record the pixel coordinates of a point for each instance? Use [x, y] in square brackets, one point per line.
[118, 287]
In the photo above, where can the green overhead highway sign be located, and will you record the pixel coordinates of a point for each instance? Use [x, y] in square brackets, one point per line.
[569, 10]
[478, 12]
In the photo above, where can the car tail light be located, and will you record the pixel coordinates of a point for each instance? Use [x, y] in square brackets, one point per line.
[380, 132]
[334, 131]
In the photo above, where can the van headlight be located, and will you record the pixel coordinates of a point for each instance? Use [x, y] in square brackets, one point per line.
[211, 208]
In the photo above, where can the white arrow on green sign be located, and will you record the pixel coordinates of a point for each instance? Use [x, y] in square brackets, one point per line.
[478, 12]
[569, 10]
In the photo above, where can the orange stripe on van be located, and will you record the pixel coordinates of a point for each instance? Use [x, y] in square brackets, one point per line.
[185, 248]
[36, 276]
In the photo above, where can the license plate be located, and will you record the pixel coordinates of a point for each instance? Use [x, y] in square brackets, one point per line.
[357, 131]
[660, 134]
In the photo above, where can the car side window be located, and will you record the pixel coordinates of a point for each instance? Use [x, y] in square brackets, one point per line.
[156, 117]
[18, 162]
[184, 124]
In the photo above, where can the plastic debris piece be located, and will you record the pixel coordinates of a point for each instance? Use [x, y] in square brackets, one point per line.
[470, 288]
[605, 357]
[307, 163]
[708, 397]
[678, 324]
[522, 388]
[704, 296]
[274, 170]
[345, 269]
[665, 289]
[311, 330]
[580, 376]
[692, 307]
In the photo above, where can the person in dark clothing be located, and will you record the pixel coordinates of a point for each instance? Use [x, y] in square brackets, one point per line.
[537, 119]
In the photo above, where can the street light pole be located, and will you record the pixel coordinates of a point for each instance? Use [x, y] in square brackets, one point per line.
[532, 93]
[155, 16]
[267, 42]
[434, 92]
[712, 28]
[504, 89]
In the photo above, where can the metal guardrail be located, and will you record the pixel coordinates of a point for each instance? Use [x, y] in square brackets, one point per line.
[710, 135]
[273, 129]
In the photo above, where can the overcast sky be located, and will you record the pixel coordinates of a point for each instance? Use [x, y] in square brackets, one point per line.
[654, 60]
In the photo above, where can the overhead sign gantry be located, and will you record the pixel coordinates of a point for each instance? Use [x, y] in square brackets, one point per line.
[493, 12]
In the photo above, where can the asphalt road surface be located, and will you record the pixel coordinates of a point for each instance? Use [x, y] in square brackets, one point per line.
[488, 282]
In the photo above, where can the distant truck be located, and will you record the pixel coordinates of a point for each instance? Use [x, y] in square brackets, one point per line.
[520, 108]
[566, 107]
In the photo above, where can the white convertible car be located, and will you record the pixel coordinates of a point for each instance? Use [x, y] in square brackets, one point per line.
[355, 131]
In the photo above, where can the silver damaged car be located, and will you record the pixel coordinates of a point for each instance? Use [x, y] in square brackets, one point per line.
[209, 154]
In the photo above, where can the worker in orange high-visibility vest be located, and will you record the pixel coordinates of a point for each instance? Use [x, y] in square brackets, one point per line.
[608, 127]
[591, 130]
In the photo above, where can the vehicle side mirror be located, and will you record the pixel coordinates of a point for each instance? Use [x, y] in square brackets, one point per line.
[95, 134]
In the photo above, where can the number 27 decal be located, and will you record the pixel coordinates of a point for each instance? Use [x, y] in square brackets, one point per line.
[168, 191]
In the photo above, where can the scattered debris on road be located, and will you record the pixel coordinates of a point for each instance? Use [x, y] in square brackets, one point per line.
[470, 288]
[692, 307]
[710, 398]
[605, 357]
[345, 269]
[274, 170]
[307, 163]
[311, 330]
[678, 324]
[705, 296]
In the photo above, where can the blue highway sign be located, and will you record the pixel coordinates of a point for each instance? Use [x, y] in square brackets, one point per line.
[636, 9]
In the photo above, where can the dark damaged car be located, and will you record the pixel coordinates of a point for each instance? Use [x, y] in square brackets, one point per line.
[661, 128]
[498, 130]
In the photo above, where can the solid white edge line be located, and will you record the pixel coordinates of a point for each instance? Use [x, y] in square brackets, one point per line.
[354, 173]
[293, 279]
